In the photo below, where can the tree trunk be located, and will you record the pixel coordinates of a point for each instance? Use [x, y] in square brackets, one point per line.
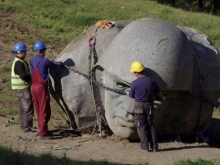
[200, 3]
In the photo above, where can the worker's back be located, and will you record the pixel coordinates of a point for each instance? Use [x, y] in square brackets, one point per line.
[143, 89]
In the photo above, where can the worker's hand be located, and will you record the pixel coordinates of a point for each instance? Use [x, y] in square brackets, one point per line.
[61, 64]
[164, 98]
[127, 90]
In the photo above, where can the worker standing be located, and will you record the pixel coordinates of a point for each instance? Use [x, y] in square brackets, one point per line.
[21, 83]
[40, 92]
[143, 90]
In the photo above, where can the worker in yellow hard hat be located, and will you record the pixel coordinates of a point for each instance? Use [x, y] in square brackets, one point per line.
[143, 90]
[137, 67]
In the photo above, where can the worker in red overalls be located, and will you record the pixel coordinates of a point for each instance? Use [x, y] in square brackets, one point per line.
[39, 70]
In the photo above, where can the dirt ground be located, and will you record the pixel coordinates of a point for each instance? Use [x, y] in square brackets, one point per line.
[111, 149]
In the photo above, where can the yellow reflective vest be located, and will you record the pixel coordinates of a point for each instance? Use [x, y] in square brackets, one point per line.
[16, 82]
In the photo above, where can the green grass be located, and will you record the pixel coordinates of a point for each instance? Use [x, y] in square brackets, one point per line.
[196, 162]
[10, 111]
[8, 101]
[10, 157]
[5, 78]
[60, 21]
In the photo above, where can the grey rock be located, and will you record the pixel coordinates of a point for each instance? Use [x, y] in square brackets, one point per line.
[174, 57]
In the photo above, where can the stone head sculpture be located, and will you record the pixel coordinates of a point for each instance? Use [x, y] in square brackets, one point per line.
[177, 58]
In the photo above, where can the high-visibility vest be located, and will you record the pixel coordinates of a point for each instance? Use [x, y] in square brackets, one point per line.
[16, 81]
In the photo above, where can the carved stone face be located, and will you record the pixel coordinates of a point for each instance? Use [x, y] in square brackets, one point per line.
[117, 108]
[170, 59]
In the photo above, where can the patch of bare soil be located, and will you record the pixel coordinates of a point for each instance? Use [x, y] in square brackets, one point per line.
[12, 32]
[112, 149]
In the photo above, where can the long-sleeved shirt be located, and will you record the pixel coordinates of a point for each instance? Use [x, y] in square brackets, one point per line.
[143, 89]
[19, 69]
[44, 65]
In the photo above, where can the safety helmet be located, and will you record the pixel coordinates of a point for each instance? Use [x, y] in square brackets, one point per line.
[20, 47]
[39, 45]
[137, 67]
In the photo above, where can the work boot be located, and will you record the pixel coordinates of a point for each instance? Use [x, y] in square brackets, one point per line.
[30, 131]
[145, 150]
[45, 137]
[151, 146]
[155, 149]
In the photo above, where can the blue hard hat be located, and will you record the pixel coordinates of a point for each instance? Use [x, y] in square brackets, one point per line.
[20, 47]
[39, 45]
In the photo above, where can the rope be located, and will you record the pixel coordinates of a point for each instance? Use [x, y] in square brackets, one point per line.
[10, 119]
[67, 121]
[92, 87]
[64, 147]
[91, 78]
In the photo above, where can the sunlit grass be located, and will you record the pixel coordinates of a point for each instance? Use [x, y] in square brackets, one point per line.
[60, 21]
[196, 162]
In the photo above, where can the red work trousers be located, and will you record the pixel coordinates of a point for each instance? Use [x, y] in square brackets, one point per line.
[41, 99]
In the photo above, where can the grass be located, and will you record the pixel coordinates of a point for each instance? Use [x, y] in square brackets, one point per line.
[60, 21]
[196, 162]
[10, 157]
[7, 96]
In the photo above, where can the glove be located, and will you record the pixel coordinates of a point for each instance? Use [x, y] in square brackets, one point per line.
[61, 64]
[127, 90]
[164, 98]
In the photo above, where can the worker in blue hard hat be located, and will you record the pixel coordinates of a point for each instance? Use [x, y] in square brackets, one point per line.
[21, 83]
[39, 68]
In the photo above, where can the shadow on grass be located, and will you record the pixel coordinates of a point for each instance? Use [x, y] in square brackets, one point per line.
[10, 157]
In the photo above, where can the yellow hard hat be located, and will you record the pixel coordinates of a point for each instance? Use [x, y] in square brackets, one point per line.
[137, 67]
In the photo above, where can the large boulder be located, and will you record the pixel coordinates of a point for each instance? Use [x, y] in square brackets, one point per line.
[177, 58]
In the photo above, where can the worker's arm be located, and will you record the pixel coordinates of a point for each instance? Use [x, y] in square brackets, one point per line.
[132, 91]
[31, 69]
[159, 92]
[19, 69]
[52, 64]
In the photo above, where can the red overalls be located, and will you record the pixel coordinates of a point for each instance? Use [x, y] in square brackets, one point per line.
[41, 99]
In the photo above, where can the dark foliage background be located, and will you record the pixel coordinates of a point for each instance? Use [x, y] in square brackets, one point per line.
[208, 6]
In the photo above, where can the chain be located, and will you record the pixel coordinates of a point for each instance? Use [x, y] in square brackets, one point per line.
[91, 77]
[101, 120]
[87, 126]
[215, 104]
[98, 84]
[78, 72]
[183, 99]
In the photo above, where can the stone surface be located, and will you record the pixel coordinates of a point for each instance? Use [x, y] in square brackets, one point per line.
[174, 57]
[74, 91]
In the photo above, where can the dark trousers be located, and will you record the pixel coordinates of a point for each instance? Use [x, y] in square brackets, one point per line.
[143, 113]
[26, 110]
